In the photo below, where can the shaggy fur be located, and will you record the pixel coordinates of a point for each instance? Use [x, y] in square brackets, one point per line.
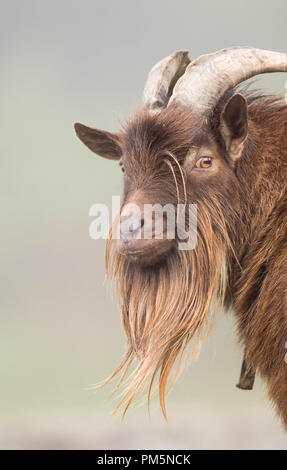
[241, 255]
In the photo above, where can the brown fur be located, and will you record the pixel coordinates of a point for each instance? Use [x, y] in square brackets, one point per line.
[240, 259]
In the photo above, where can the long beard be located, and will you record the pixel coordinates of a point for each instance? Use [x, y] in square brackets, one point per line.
[167, 309]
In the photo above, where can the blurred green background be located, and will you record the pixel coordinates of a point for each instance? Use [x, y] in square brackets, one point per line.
[65, 61]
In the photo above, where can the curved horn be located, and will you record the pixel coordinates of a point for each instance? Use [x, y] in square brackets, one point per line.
[207, 78]
[162, 78]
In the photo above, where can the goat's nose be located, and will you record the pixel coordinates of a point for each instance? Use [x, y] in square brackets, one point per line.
[130, 226]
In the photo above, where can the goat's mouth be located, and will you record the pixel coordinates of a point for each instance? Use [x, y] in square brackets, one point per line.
[145, 251]
[144, 239]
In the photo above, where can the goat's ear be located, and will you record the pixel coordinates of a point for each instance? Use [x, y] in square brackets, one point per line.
[234, 125]
[103, 143]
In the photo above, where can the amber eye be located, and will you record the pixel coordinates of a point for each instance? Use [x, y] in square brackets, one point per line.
[204, 162]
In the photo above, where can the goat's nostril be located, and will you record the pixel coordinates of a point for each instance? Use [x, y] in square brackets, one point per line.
[130, 226]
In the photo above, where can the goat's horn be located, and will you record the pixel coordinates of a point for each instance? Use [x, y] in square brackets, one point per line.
[207, 78]
[162, 78]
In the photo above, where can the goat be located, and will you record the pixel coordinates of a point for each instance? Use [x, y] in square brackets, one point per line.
[201, 139]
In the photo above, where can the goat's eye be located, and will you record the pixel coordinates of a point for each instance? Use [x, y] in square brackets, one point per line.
[204, 162]
[122, 168]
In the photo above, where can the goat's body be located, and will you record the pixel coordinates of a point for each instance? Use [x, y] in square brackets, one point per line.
[198, 141]
[259, 284]
[241, 251]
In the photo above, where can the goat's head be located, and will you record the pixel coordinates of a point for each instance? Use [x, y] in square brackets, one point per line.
[182, 147]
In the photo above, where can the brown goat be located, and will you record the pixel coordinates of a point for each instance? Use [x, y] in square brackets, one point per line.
[197, 140]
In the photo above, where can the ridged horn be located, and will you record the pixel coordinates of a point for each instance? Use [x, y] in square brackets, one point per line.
[162, 78]
[207, 78]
